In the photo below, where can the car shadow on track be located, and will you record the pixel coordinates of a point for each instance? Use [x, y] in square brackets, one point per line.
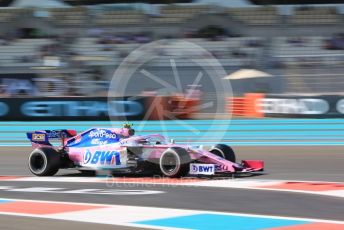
[149, 175]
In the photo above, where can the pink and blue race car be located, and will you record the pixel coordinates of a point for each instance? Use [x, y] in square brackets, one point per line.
[119, 150]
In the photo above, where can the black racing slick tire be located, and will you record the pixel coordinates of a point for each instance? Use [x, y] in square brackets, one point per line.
[174, 162]
[44, 162]
[223, 151]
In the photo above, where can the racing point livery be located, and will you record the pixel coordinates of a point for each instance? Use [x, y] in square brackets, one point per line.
[119, 150]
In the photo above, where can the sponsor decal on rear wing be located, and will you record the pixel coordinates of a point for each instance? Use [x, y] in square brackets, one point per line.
[42, 137]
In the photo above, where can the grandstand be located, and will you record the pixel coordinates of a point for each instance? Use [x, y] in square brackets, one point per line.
[256, 16]
[179, 13]
[319, 15]
[74, 16]
[246, 36]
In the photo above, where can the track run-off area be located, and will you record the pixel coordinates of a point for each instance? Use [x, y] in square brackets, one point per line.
[302, 187]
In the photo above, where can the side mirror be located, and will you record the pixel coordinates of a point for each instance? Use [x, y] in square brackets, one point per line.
[172, 141]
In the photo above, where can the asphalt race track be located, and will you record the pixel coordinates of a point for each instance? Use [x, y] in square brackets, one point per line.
[318, 163]
[282, 163]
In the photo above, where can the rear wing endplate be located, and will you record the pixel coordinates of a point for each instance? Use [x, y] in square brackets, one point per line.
[42, 137]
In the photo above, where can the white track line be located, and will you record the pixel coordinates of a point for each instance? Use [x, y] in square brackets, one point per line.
[223, 183]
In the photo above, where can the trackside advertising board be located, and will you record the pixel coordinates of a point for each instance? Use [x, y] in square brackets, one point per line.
[305, 106]
[71, 108]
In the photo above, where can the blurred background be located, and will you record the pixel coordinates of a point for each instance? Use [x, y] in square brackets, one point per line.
[286, 55]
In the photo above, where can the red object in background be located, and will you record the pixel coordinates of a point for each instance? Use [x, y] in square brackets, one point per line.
[183, 107]
[156, 107]
[171, 107]
[236, 106]
[245, 106]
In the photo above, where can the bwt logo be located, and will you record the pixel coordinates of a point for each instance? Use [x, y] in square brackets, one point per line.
[205, 169]
[102, 158]
[87, 157]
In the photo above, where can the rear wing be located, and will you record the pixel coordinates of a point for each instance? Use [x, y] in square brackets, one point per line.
[43, 137]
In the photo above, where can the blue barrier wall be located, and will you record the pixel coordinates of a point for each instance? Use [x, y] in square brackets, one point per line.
[249, 132]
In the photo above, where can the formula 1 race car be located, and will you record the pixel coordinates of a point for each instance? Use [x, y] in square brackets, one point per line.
[118, 149]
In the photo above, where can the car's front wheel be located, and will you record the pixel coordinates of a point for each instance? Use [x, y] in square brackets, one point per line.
[44, 162]
[223, 151]
[174, 162]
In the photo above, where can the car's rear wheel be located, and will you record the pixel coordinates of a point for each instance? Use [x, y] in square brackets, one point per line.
[44, 162]
[174, 162]
[223, 151]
